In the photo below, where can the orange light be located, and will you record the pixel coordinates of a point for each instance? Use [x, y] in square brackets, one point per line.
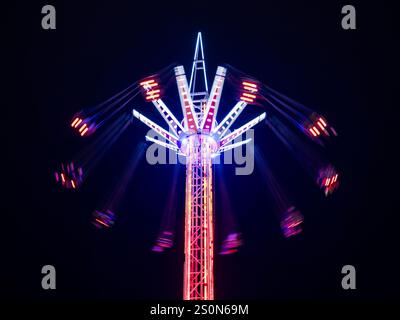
[312, 131]
[84, 132]
[249, 95]
[249, 84]
[316, 131]
[152, 92]
[320, 125]
[250, 89]
[77, 124]
[322, 121]
[143, 83]
[73, 184]
[62, 177]
[154, 97]
[246, 99]
[327, 182]
[99, 221]
[83, 127]
[74, 122]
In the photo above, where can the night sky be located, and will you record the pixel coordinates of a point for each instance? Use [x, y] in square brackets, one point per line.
[98, 49]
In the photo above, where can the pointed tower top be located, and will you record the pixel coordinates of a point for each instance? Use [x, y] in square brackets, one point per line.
[198, 86]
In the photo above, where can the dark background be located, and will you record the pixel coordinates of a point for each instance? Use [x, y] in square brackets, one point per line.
[99, 48]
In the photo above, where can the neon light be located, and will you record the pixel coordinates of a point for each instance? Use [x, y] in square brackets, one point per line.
[198, 265]
[246, 99]
[62, 177]
[73, 184]
[83, 127]
[250, 89]
[233, 145]
[321, 126]
[316, 131]
[84, 131]
[153, 91]
[312, 131]
[101, 222]
[147, 82]
[249, 95]
[322, 121]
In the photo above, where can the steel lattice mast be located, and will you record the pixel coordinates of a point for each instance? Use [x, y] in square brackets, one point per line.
[199, 139]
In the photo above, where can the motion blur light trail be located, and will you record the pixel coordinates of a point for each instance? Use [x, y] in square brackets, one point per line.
[103, 219]
[291, 222]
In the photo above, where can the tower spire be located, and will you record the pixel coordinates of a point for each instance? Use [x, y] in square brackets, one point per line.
[198, 86]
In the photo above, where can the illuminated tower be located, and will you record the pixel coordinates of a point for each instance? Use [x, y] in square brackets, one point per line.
[199, 138]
